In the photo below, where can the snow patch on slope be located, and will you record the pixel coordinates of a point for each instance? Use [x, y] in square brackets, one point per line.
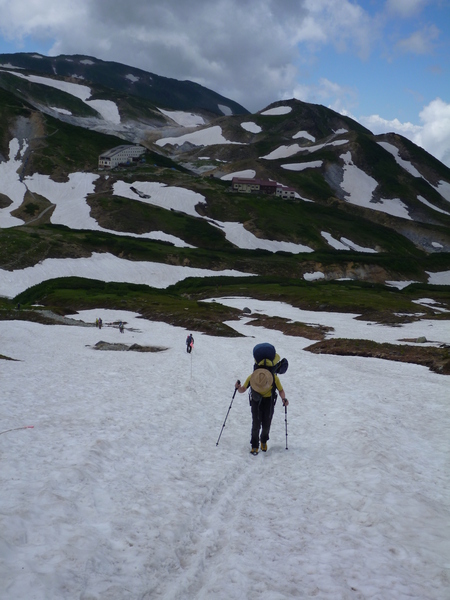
[315, 276]
[400, 161]
[302, 166]
[424, 201]
[360, 187]
[11, 186]
[62, 111]
[240, 237]
[444, 189]
[226, 110]
[160, 194]
[304, 134]
[278, 110]
[206, 137]
[72, 210]
[183, 118]
[439, 278]
[345, 244]
[287, 151]
[251, 127]
[246, 174]
[9, 66]
[106, 108]
[103, 267]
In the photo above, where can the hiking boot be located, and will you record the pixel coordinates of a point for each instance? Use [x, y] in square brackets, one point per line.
[264, 447]
[254, 451]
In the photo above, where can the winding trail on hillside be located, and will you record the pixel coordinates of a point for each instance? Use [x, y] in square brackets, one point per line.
[41, 214]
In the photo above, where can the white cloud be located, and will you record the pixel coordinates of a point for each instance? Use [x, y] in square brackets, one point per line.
[378, 125]
[420, 42]
[335, 96]
[343, 24]
[32, 17]
[247, 51]
[405, 8]
[433, 135]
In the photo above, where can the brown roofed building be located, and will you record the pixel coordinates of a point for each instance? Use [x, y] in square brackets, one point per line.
[261, 186]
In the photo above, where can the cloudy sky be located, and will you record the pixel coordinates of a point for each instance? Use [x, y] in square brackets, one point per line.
[385, 63]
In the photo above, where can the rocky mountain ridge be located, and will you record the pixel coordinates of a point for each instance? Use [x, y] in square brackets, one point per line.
[136, 94]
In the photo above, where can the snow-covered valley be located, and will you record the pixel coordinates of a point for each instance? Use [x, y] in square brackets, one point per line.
[119, 489]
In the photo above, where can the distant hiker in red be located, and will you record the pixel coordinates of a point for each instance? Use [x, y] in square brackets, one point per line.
[264, 385]
[189, 343]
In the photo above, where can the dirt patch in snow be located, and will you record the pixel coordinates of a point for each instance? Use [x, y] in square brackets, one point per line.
[437, 359]
[3, 357]
[293, 328]
[125, 348]
[5, 201]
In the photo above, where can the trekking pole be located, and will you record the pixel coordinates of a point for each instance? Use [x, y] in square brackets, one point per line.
[285, 423]
[17, 429]
[229, 408]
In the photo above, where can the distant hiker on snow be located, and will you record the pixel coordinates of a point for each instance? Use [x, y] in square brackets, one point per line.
[189, 343]
[264, 384]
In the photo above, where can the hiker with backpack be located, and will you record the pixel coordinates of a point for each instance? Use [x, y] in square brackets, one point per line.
[264, 384]
[189, 343]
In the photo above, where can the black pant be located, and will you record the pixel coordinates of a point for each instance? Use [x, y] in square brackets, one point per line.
[262, 413]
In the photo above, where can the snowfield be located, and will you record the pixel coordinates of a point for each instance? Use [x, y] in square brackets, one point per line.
[106, 108]
[119, 491]
[360, 187]
[406, 164]
[304, 134]
[248, 173]
[278, 110]
[251, 127]
[440, 278]
[102, 267]
[240, 237]
[204, 137]
[287, 151]
[315, 164]
[424, 201]
[345, 244]
[160, 194]
[183, 118]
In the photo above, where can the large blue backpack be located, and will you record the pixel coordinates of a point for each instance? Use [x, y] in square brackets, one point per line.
[263, 353]
[266, 357]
